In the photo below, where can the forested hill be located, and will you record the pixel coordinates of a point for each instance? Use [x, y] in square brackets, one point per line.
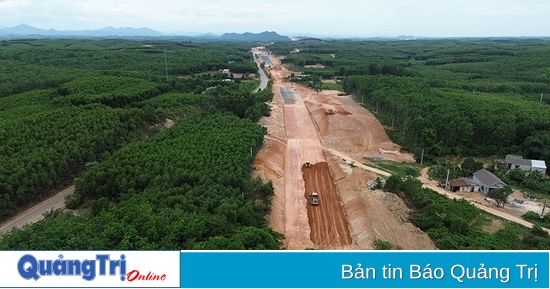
[95, 110]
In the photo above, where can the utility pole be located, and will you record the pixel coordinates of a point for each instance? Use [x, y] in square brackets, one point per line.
[422, 157]
[166, 65]
[543, 207]
[447, 181]
[250, 151]
[541, 96]
[362, 98]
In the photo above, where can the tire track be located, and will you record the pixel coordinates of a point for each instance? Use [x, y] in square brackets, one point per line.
[323, 226]
[328, 224]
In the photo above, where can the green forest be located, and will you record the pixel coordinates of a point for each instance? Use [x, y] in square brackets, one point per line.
[93, 110]
[92, 113]
[465, 97]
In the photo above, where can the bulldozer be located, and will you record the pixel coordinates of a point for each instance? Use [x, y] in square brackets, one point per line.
[308, 165]
[314, 198]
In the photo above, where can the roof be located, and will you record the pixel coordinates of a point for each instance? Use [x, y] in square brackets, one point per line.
[517, 160]
[463, 182]
[488, 179]
[538, 164]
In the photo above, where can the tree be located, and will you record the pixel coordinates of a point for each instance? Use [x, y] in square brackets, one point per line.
[536, 146]
[469, 166]
[382, 245]
[500, 195]
[393, 184]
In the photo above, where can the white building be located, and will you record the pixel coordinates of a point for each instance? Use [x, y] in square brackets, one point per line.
[537, 165]
[518, 162]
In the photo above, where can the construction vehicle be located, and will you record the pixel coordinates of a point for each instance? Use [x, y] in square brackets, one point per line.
[308, 164]
[314, 199]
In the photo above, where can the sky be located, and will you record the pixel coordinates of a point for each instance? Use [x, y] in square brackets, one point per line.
[346, 18]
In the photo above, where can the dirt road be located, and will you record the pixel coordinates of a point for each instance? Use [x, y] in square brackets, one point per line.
[301, 129]
[351, 161]
[34, 214]
[303, 145]
[350, 216]
[329, 228]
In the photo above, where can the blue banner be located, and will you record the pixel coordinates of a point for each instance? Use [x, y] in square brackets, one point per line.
[364, 269]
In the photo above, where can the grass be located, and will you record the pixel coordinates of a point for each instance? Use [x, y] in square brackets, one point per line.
[249, 85]
[534, 217]
[332, 86]
[398, 168]
[487, 161]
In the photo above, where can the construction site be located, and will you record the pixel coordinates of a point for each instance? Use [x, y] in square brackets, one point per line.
[313, 155]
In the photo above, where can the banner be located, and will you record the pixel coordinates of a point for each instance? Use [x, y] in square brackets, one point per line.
[274, 269]
[89, 269]
[364, 269]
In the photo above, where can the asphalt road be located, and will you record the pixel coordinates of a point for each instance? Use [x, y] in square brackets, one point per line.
[267, 60]
[263, 76]
[34, 214]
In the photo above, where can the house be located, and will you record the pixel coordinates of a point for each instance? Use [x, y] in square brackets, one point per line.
[518, 162]
[463, 185]
[487, 181]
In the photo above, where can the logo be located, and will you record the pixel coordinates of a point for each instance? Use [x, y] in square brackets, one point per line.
[31, 268]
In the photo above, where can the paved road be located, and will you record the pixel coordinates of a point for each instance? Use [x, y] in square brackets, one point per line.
[34, 214]
[263, 76]
[266, 59]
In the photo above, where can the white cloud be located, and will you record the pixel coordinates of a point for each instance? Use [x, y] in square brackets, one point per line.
[343, 17]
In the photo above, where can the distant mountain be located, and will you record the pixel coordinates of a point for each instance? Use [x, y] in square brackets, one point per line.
[26, 30]
[124, 31]
[307, 40]
[22, 30]
[193, 34]
[247, 36]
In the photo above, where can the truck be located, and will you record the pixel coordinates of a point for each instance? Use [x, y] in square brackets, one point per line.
[314, 198]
